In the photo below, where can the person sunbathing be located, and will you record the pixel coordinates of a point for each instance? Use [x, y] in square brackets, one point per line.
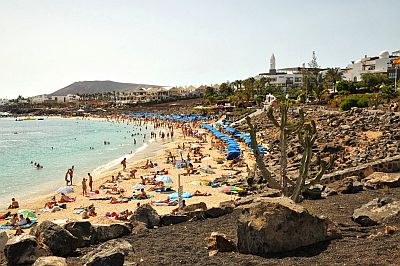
[90, 210]
[5, 215]
[22, 220]
[113, 191]
[157, 186]
[50, 204]
[146, 165]
[119, 176]
[14, 204]
[142, 195]
[199, 193]
[112, 180]
[13, 220]
[65, 198]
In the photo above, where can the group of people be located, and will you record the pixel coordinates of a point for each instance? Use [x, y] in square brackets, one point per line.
[84, 184]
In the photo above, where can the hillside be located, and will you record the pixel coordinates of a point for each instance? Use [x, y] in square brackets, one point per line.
[91, 87]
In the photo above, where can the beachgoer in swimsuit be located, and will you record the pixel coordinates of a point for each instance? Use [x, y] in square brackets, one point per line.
[90, 182]
[14, 204]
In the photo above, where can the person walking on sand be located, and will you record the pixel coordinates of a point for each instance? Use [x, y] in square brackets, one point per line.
[90, 182]
[84, 187]
[123, 162]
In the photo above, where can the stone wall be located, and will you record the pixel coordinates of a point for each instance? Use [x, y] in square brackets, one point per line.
[387, 165]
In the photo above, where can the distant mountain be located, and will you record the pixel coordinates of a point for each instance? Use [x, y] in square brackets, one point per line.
[91, 87]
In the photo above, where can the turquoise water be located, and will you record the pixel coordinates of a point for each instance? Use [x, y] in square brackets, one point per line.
[57, 144]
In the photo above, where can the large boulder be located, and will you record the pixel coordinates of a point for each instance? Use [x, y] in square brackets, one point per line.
[24, 249]
[378, 211]
[110, 253]
[147, 215]
[112, 231]
[195, 207]
[3, 240]
[169, 219]
[379, 180]
[278, 225]
[82, 230]
[50, 261]
[348, 185]
[215, 212]
[60, 241]
[220, 243]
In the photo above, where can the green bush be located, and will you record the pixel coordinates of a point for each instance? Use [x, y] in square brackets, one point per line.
[347, 104]
[354, 101]
[363, 102]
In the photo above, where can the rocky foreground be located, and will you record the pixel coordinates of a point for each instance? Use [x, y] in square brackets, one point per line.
[355, 137]
[350, 228]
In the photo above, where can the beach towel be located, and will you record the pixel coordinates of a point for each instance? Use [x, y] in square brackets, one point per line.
[148, 197]
[25, 226]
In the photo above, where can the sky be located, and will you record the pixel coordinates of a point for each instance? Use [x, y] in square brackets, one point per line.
[46, 45]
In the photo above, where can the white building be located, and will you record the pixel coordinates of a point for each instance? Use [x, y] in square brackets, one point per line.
[58, 99]
[4, 101]
[40, 98]
[284, 77]
[381, 63]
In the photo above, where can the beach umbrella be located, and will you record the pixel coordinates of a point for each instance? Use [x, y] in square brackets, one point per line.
[185, 195]
[230, 189]
[164, 178]
[27, 213]
[65, 190]
[138, 187]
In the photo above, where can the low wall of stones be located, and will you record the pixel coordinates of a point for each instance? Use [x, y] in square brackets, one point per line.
[387, 165]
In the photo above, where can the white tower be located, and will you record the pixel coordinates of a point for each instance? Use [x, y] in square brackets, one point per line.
[272, 62]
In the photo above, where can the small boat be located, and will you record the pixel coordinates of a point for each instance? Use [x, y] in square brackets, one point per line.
[29, 118]
[40, 118]
[18, 119]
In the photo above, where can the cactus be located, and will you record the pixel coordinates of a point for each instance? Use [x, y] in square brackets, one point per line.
[265, 173]
[307, 139]
[285, 128]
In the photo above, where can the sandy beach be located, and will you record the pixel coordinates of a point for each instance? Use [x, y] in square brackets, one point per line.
[157, 152]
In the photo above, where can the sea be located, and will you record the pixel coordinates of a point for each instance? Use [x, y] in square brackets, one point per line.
[57, 144]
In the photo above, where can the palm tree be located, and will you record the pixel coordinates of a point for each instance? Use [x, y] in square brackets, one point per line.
[333, 75]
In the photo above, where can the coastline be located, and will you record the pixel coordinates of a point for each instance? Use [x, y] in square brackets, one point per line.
[41, 190]
[156, 152]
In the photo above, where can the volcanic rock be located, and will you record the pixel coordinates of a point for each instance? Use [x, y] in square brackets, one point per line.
[279, 225]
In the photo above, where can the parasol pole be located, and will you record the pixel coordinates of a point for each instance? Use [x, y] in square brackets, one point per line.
[180, 190]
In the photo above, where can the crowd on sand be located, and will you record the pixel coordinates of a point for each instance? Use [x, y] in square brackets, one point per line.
[187, 156]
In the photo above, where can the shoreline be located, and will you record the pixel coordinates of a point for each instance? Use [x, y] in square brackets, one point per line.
[146, 151]
[156, 152]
